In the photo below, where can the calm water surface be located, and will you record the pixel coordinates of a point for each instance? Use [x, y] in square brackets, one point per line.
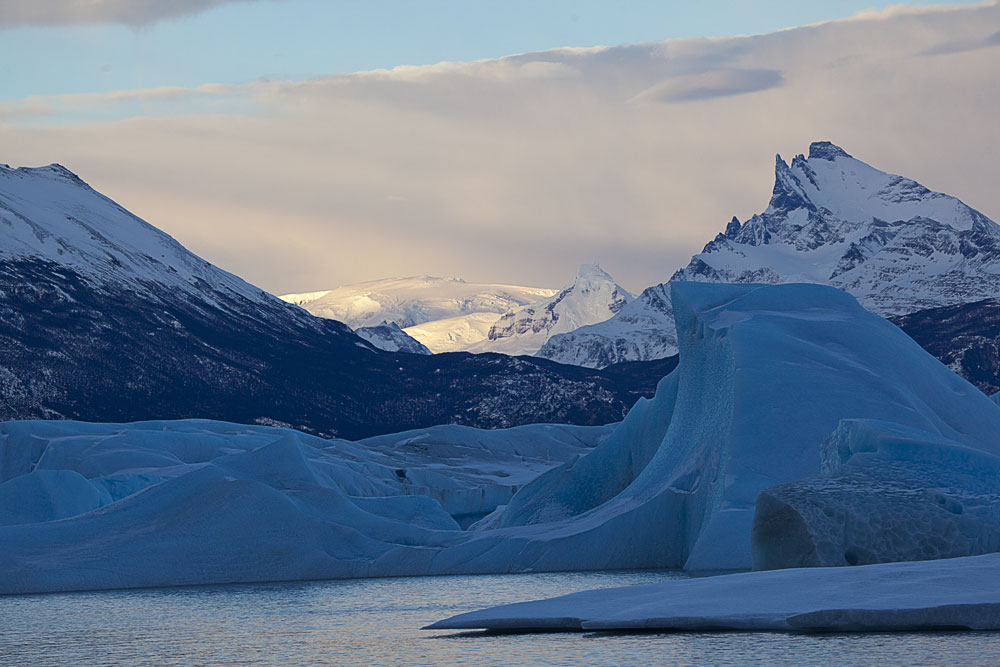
[378, 621]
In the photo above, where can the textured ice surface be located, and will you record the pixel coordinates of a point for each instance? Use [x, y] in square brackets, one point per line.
[942, 594]
[766, 374]
[196, 501]
[887, 493]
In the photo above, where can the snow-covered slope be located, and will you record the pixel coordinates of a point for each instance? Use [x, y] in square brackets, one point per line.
[105, 318]
[592, 297]
[643, 329]
[454, 334]
[389, 337]
[50, 214]
[415, 300]
[832, 219]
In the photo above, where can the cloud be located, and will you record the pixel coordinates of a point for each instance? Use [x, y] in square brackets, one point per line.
[711, 84]
[135, 13]
[518, 169]
[961, 46]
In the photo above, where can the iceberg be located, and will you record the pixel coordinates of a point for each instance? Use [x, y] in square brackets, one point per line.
[887, 493]
[926, 595]
[91, 506]
[766, 375]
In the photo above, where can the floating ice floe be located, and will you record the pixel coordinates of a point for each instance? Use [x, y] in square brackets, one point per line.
[951, 594]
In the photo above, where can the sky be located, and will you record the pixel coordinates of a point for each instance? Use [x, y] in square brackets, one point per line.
[305, 144]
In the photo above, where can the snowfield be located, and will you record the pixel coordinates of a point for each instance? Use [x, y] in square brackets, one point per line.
[444, 314]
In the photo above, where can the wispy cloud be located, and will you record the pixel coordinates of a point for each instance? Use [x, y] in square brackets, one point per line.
[14, 13]
[711, 84]
[519, 168]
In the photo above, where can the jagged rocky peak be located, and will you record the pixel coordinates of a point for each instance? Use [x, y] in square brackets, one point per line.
[896, 245]
[825, 150]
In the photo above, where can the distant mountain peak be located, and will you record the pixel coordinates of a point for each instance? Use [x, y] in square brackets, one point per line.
[592, 297]
[594, 269]
[825, 150]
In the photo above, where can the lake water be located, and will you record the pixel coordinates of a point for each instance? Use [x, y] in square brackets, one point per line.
[378, 621]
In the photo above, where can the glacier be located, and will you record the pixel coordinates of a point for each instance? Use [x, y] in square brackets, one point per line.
[444, 314]
[766, 374]
[832, 219]
[769, 376]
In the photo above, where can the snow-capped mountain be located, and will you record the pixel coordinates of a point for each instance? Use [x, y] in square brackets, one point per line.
[105, 318]
[415, 301]
[592, 297]
[389, 337]
[832, 219]
[643, 329]
[50, 215]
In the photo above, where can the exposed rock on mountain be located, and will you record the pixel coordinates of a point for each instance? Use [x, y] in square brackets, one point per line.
[389, 337]
[592, 297]
[105, 318]
[832, 219]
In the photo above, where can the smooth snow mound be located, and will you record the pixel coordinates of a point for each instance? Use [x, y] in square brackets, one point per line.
[954, 594]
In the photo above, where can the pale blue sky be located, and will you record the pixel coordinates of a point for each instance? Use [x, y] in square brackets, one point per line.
[301, 39]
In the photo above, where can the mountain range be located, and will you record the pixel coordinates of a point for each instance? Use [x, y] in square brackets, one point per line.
[103, 317]
[443, 314]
